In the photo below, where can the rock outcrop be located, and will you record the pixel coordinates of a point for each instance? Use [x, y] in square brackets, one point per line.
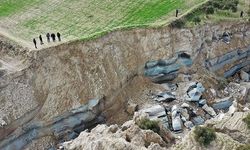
[64, 127]
[127, 137]
[167, 70]
[231, 62]
[233, 126]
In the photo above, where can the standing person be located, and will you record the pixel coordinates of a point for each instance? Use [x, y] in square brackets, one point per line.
[34, 41]
[41, 39]
[48, 37]
[241, 14]
[58, 36]
[53, 36]
[176, 12]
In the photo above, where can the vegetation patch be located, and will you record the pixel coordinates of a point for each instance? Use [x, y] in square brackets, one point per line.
[180, 23]
[244, 147]
[147, 124]
[247, 121]
[204, 135]
[217, 10]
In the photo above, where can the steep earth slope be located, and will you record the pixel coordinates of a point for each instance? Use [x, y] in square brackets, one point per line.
[48, 82]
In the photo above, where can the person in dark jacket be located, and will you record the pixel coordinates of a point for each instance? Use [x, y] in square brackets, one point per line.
[48, 37]
[176, 12]
[53, 36]
[58, 36]
[34, 41]
[41, 39]
[241, 14]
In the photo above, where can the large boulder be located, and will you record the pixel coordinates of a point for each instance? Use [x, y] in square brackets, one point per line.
[198, 120]
[155, 111]
[209, 110]
[194, 91]
[176, 118]
[222, 105]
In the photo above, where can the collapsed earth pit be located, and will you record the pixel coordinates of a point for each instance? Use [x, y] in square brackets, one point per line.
[58, 79]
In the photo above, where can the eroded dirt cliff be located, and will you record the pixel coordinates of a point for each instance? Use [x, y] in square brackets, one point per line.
[58, 79]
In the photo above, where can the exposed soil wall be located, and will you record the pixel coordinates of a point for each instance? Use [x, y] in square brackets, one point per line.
[60, 78]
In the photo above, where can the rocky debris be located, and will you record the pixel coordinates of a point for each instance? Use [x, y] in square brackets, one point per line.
[190, 113]
[233, 108]
[64, 127]
[223, 104]
[185, 105]
[202, 102]
[198, 120]
[165, 97]
[237, 91]
[129, 136]
[156, 111]
[209, 110]
[167, 70]
[189, 124]
[213, 92]
[194, 95]
[231, 132]
[184, 114]
[244, 76]
[176, 118]
[195, 91]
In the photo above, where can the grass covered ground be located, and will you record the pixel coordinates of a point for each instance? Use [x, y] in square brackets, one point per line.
[223, 14]
[84, 19]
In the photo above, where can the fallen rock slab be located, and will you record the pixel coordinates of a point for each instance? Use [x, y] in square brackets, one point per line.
[165, 97]
[198, 120]
[224, 105]
[176, 118]
[156, 111]
[209, 110]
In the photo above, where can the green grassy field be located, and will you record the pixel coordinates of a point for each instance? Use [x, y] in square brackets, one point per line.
[84, 19]
[221, 15]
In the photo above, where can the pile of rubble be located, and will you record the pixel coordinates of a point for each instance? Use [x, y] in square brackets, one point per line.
[184, 110]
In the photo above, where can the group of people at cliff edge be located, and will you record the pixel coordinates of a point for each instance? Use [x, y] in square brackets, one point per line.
[50, 37]
[53, 36]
